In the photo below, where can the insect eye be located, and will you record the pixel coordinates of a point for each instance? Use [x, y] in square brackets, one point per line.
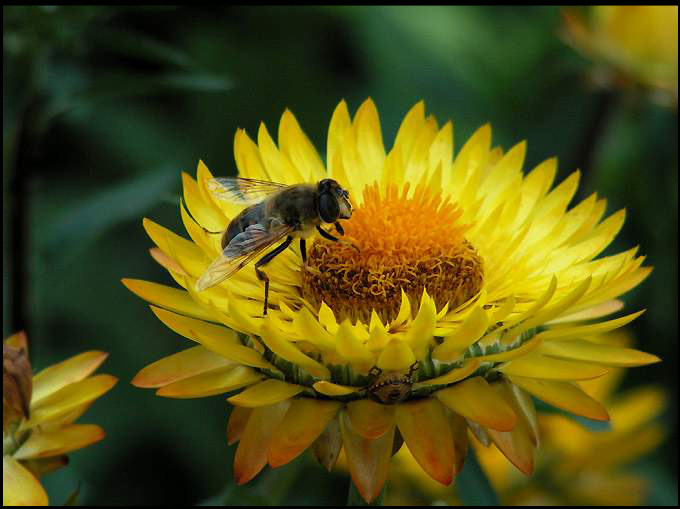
[329, 210]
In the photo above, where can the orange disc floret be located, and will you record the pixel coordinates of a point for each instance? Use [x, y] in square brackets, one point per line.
[402, 242]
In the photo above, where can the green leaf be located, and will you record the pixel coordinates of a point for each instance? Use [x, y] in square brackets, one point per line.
[141, 46]
[473, 485]
[83, 220]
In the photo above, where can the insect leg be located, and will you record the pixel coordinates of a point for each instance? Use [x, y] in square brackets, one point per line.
[375, 371]
[303, 250]
[328, 236]
[263, 261]
[339, 228]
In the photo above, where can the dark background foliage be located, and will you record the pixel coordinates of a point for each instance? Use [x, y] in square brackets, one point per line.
[103, 107]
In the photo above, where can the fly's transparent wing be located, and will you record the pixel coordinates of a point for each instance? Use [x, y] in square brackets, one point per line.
[242, 191]
[242, 249]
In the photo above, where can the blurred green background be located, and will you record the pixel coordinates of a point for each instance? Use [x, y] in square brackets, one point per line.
[104, 107]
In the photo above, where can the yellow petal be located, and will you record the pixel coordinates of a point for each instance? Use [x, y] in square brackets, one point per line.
[537, 305]
[234, 352]
[368, 460]
[251, 454]
[238, 418]
[604, 309]
[467, 159]
[637, 407]
[475, 399]
[369, 138]
[586, 330]
[68, 398]
[310, 328]
[411, 126]
[165, 261]
[340, 123]
[460, 440]
[267, 392]
[520, 351]
[281, 346]
[625, 452]
[207, 242]
[441, 151]
[187, 327]
[404, 309]
[54, 377]
[296, 146]
[479, 432]
[565, 395]
[187, 254]
[426, 430]
[204, 212]
[19, 486]
[276, 164]
[378, 336]
[60, 441]
[516, 445]
[470, 331]
[247, 156]
[187, 363]
[303, 423]
[223, 209]
[396, 356]
[535, 185]
[556, 309]
[503, 174]
[587, 351]
[370, 419]
[503, 310]
[421, 331]
[217, 381]
[333, 389]
[327, 447]
[535, 365]
[168, 298]
[351, 348]
[327, 318]
[452, 376]
[526, 410]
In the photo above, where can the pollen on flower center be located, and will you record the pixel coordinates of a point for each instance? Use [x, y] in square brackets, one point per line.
[404, 242]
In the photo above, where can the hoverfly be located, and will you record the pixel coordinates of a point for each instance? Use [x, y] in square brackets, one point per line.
[274, 212]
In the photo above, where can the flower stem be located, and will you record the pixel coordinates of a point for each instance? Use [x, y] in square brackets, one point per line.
[604, 106]
[355, 498]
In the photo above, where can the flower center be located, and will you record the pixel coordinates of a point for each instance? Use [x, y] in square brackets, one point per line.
[404, 243]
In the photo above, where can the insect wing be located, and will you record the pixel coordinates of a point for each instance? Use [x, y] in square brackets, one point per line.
[239, 252]
[242, 191]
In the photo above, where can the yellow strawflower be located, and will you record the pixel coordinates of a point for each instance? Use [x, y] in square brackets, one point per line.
[574, 465]
[473, 287]
[38, 413]
[631, 44]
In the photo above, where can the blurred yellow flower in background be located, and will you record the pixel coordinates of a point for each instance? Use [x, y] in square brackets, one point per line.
[631, 44]
[474, 287]
[38, 413]
[574, 465]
